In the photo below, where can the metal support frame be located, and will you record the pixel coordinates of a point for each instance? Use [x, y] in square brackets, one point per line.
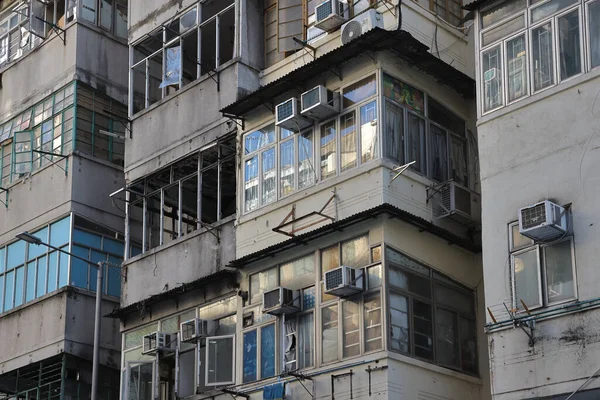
[302, 377]
[369, 370]
[55, 28]
[5, 202]
[235, 118]
[45, 154]
[387, 3]
[334, 377]
[337, 72]
[292, 214]
[235, 394]
[306, 47]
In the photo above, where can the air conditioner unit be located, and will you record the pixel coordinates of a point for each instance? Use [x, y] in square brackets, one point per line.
[362, 23]
[157, 341]
[490, 75]
[329, 14]
[281, 301]
[543, 221]
[320, 103]
[456, 202]
[344, 281]
[195, 329]
[287, 115]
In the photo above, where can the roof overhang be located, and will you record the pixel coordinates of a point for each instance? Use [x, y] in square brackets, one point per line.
[475, 5]
[401, 42]
[370, 214]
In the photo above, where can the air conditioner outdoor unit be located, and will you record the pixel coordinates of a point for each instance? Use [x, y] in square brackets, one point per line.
[456, 202]
[329, 14]
[362, 23]
[281, 301]
[156, 341]
[320, 103]
[195, 329]
[344, 281]
[543, 221]
[287, 115]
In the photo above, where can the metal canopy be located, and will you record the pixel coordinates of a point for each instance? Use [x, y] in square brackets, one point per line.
[401, 42]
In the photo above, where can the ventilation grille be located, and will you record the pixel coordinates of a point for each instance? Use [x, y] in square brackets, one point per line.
[334, 279]
[285, 110]
[533, 216]
[351, 31]
[324, 10]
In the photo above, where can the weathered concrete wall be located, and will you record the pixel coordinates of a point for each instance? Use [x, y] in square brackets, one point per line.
[182, 261]
[543, 147]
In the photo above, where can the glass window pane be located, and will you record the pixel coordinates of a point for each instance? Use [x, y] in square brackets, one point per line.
[42, 269]
[423, 330]
[328, 150]
[355, 252]
[468, 345]
[543, 64]
[121, 19]
[290, 335]
[329, 325]
[219, 356]
[359, 91]
[306, 169]
[410, 282]
[373, 327]
[518, 240]
[404, 94]
[35, 251]
[259, 139]
[594, 32]
[503, 30]
[63, 269]
[375, 276]
[492, 79]
[9, 290]
[15, 254]
[2, 257]
[19, 285]
[368, 132]
[330, 259]
[251, 184]
[415, 146]
[454, 298]
[79, 268]
[446, 338]
[394, 135]
[298, 273]
[458, 160]
[309, 296]
[269, 178]
[106, 14]
[249, 357]
[87, 239]
[114, 278]
[52, 271]
[286, 167]
[549, 8]
[400, 335]
[351, 328]
[394, 257]
[30, 281]
[516, 58]
[558, 261]
[501, 11]
[306, 340]
[267, 351]
[439, 153]
[218, 309]
[261, 282]
[1, 292]
[348, 140]
[569, 45]
[88, 10]
[526, 272]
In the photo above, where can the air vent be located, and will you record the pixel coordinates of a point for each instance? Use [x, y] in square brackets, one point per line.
[456, 202]
[543, 221]
[361, 24]
[344, 281]
[329, 15]
[320, 103]
[281, 301]
[288, 116]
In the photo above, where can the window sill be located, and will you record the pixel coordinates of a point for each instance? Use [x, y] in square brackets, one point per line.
[531, 99]
[436, 368]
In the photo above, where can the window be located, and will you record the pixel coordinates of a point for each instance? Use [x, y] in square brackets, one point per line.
[593, 12]
[450, 10]
[526, 50]
[181, 198]
[197, 42]
[444, 155]
[278, 162]
[541, 273]
[431, 316]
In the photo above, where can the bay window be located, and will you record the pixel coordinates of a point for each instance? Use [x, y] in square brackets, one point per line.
[525, 50]
[541, 274]
[431, 316]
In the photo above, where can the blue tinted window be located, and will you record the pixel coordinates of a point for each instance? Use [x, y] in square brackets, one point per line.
[41, 276]
[114, 278]
[59, 232]
[30, 283]
[38, 250]
[113, 246]
[135, 250]
[16, 254]
[1, 291]
[63, 270]
[79, 269]
[52, 271]
[2, 253]
[87, 239]
[19, 283]
[267, 351]
[8, 291]
[96, 257]
[249, 373]
[93, 277]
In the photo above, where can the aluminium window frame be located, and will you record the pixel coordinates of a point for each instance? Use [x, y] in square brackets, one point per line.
[588, 38]
[233, 366]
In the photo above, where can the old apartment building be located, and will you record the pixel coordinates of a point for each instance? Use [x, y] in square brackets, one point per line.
[63, 96]
[302, 180]
[537, 85]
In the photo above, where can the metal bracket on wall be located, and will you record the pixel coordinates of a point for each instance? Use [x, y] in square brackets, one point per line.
[369, 370]
[5, 191]
[334, 377]
[292, 214]
[234, 119]
[235, 394]
[301, 377]
[306, 46]
[45, 154]
[389, 5]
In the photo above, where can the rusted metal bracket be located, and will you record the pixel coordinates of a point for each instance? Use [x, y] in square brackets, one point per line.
[292, 214]
[5, 202]
[369, 370]
[306, 46]
[334, 377]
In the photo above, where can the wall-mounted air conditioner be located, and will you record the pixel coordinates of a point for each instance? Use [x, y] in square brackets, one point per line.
[195, 329]
[320, 103]
[456, 202]
[281, 301]
[330, 14]
[344, 281]
[287, 115]
[543, 221]
[362, 23]
[156, 341]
